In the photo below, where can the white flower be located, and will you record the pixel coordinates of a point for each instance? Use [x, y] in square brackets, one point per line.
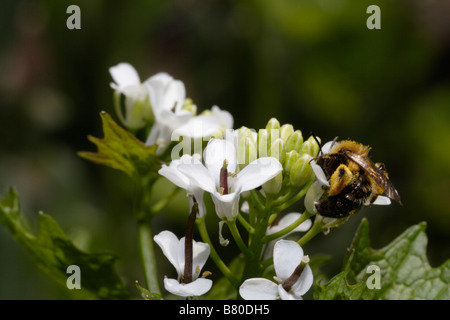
[205, 124]
[173, 249]
[284, 222]
[167, 97]
[226, 189]
[316, 190]
[209, 124]
[173, 174]
[137, 110]
[288, 260]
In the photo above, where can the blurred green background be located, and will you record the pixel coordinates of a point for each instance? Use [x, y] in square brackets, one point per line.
[313, 64]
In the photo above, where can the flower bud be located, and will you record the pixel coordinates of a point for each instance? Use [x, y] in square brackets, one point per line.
[310, 147]
[301, 171]
[273, 186]
[277, 150]
[286, 131]
[273, 124]
[246, 132]
[295, 141]
[290, 159]
[263, 143]
[246, 151]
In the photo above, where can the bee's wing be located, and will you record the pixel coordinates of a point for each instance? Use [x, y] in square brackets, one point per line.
[369, 167]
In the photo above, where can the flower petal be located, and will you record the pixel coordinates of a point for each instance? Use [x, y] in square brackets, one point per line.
[156, 85]
[198, 194]
[169, 245]
[259, 289]
[174, 175]
[226, 205]
[327, 146]
[124, 75]
[320, 175]
[216, 152]
[223, 242]
[284, 295]
[256, 173]
[193, 289]
[287, 255]
[223, 117]
[313, 194]
[174, 96]
[200, 253]
[286, 221]
[205, 125]
[198, 175]
[382, 201]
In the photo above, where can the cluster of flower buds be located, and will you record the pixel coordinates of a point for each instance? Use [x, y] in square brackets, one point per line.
[285, 144]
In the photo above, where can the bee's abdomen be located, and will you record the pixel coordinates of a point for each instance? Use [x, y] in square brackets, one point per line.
[349, 201]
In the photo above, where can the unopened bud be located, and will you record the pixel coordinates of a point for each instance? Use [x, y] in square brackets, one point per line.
[286, 131]
[290, 159]
[263, 143]
[278, 151]
[246, 151]
[295, 141]
[301, 171]
[310, 147]
[273, 124]
[273, 186]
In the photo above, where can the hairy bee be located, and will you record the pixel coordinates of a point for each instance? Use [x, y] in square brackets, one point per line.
[354, 180]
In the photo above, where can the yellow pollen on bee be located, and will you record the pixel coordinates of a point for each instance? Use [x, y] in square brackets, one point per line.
[340, 178]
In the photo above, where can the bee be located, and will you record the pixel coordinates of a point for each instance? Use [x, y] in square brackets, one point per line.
[354, 180]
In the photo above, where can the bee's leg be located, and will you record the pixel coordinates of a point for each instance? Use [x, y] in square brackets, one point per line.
[340, 179]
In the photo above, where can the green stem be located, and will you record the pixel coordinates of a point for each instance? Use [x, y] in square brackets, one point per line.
[253, 263]
[284, 197]
[245, 224]
[147, 253]
[315, 230]
[145, 238]
[295, 198]
[213, 253]
[258, 199]
[237, 237]
[305, 216]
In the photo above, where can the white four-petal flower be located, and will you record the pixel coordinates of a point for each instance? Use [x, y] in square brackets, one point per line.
[173, 249]
[287, 256]
[167, 97]
[137, 110]
[208, 177]
[172, 173]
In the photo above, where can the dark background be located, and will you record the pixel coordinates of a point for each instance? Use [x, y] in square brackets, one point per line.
[313, 64]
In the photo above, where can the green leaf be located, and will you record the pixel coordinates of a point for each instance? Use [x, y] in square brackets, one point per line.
[146, 294]
[54, 252]
[121, 150]
[404, 271]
